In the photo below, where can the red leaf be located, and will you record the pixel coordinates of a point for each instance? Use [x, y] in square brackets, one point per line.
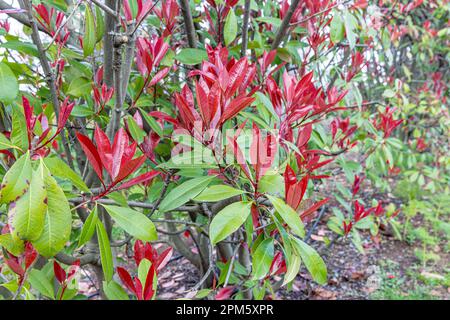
[236, 76]
[118, 149]
[60, 274]
[225, 293]
[128, 168]
[126, 279]
[148, 287]
[104, 148]
[30, 255]
[139, 179]
[91, 153]
[235, 107]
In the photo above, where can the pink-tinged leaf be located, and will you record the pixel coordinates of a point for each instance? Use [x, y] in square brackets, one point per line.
[225, 293]
[126, 279]
[235, 107]
[73, 269]
[164, 258]
[139, 179]
[60, 274]
[91, 153]
[159, 76]
[127, 10]
[119, 145]
[304, 136]
[104, 148]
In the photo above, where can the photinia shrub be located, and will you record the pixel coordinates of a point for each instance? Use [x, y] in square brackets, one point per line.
[136, 132]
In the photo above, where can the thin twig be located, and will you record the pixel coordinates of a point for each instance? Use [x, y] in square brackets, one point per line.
[105, 8]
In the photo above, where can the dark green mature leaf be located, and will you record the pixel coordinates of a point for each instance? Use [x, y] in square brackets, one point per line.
[58, 220]
[217, 193]
[89, 38]
[28, 212]
[16, 180]
[79, 87]
[61, 170]
[8, 84]
[230, 28]
[228, 220]
[88, 227]
[313, 261]
[289, 216]
[190, 56]
[184, 192]
[105, 251]
[262, 258]
[133, 222]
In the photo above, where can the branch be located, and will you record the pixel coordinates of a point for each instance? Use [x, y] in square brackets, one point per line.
[188, 23]
[245, 28]
[136, 204]
[107, 9]
[284, 25]
[84, 259]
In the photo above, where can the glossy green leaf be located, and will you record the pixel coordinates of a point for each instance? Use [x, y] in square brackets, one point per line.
[184, 192]
[292, 268]
[89, 38]
[337, 29]
[152, 123]
[6, 144]
[190, 56]
[313, 261]
[28, 212]
[230, 28]
[61, 170]
[218, 192]
[262, 258]
[289, 216]
[19, 135]
[105, 251]
[16, 180]
[228, 220]
[40, 282]
[88, 227]
[8, 84]
[11, 243]
[114, 291]
[99, 24]
[58, 220]
[133, 222]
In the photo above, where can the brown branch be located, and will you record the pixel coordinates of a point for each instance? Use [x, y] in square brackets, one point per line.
[188, 23]
[245, 28]
[284, 25]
